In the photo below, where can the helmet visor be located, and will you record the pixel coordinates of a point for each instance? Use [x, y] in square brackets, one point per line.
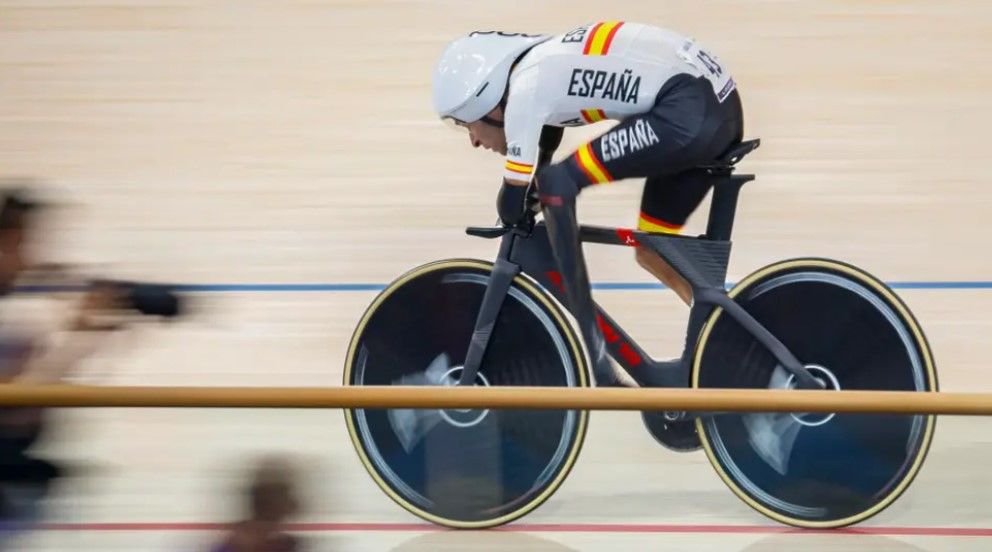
[455, 124]
[463, 126]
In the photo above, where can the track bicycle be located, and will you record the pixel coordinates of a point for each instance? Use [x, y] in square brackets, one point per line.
[802, 323]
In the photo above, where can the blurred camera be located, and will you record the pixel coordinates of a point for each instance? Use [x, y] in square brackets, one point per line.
[146, 298]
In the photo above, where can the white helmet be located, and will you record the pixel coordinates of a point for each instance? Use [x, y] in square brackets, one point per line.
[471, 75]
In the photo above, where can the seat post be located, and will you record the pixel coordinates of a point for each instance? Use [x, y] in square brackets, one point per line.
[724, 204]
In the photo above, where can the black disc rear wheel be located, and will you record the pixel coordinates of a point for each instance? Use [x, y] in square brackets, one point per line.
[465, 468]
[852, 333]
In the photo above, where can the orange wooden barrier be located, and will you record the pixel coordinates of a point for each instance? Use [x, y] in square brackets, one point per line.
[710, 400]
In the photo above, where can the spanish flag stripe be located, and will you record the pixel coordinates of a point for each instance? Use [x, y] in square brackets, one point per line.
[589, 41]
[651, 224]
[593, 115]
[609, 37]
[600, 38]
[521, 168]
[646, 226]
[591, 166]
[589, 174]
[599, 165]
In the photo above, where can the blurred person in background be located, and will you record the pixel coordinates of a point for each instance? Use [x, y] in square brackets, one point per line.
[270, 499]
[33, 354]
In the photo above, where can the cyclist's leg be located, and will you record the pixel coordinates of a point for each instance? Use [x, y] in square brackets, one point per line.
[685, 128]
[670, 198]
[666, 204]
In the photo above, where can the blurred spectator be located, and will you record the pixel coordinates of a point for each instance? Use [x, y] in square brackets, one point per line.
[32, 353]
[270, 499]
[27, 356]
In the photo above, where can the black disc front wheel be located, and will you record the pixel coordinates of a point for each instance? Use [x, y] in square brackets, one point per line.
[465, 468]
[852, 333]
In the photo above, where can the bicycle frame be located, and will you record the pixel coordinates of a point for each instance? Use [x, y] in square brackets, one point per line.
[701, 260]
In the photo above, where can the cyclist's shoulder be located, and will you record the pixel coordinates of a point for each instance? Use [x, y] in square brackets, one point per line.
[606, 40]
[590, 36]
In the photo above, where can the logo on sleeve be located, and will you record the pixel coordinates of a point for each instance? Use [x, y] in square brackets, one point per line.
[575, 35]
[607, 85]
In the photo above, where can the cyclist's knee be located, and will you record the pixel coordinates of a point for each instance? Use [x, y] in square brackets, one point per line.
[556, 184]
[566, 179]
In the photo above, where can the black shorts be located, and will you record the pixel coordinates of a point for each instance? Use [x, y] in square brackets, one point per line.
[686, 127]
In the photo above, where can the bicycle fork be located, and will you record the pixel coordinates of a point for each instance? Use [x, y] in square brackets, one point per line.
[561, 226]
[502, 276]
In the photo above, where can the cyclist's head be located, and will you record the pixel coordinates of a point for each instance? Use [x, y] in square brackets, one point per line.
[487, 132]
[471, 76]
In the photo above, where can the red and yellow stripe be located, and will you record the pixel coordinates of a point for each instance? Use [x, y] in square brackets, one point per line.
[586, 158]
[648, 223]
[519, 168]
[593, 115]
[600, 38]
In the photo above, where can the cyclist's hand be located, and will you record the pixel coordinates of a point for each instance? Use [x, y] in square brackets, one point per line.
[533, 198]
[514, 202]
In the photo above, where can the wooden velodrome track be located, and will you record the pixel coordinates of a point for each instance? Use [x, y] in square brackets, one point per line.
[250, 142]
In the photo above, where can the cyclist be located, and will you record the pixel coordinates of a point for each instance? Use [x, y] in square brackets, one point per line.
[676, 105]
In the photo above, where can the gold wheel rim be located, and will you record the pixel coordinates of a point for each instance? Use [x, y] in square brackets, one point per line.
[576, 347]
[893, 301]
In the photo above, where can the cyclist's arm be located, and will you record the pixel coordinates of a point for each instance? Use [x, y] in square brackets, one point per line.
[547, 144]
[523, 124]
[524, 117]
[515, 196]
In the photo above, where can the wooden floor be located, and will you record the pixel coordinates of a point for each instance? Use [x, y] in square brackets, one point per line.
[259, 142]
